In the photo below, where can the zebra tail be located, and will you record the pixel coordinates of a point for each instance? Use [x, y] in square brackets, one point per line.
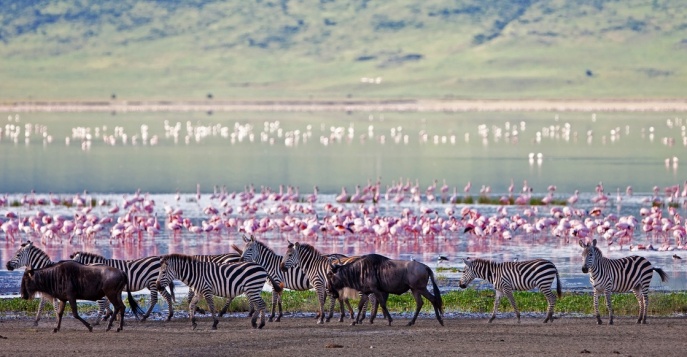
[437, 293]
[558, 284]
[171, 291]
[277, 287]
[662, 274]
[135, 308]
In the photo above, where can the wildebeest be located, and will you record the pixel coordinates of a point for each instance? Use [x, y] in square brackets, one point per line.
[381, 276]
[69, 280]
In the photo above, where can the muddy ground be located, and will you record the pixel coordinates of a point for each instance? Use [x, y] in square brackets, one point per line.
[301, 336]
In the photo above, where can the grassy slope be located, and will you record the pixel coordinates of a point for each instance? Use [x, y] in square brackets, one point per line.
[307, 49]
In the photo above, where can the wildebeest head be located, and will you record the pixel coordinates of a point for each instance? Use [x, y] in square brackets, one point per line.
[250, 250]
[22, 257]
[291, 258]
[468, 274]
[590, 254]
[334, 281]
[28, 285]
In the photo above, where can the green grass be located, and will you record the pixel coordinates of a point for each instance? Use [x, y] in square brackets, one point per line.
[295, 50]
[466, 301]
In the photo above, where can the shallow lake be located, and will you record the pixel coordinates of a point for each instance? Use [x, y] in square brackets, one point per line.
[110, 156]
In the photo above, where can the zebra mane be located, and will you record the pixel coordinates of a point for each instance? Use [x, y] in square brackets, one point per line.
[309, 249]
[88, 255]
[39, 251]
[263, 246]
[179, 257]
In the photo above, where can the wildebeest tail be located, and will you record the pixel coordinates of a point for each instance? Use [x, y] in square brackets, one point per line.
[662, 274]
[135, 308]
[437, 293]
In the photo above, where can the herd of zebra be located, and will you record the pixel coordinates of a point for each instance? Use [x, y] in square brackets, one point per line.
[247, 269]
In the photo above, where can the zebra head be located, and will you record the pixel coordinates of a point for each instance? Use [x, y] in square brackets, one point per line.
[251, 251]
[468, 274]
[23, 256]
[590, 254]
[292, 256]
[167, 273]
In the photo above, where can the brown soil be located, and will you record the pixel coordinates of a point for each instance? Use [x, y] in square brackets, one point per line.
[303, 337]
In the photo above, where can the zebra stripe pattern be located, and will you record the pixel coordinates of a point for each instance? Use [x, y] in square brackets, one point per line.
[208, 279]
[30, 255]
[293, 278]
[227, 258]
[316, 265]
[142, 273]
[631, 273]
[514, 276]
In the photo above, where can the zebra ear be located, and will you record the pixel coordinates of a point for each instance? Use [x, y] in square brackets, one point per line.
[245, 239]
[582, 244]
[594, 243]
[252, 238]
[467, 262]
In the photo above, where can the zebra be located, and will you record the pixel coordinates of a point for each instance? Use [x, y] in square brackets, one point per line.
[226, 258]
[293, 278]
[510, 276]
[208, 279]
[316, 265]
[618, 275]
[30, 255]
[142, 274]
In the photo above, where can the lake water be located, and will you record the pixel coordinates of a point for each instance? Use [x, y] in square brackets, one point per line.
[112, 156]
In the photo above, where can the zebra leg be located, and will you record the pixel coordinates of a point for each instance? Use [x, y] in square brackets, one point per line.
[511, 298]
[497, 301]
[610, 308]
[551, 298]
[274, 305]
[191, 294]
[596, 307]
[350, 310]
[170, 303]
[331, 307]
[258, 303]
[642, 305]
[41, 304]
[211, 305]
[645, 296]
[375, 307]
[322, 297]
[225, 308]
[153, 300]
[418, 306]
[192, 309]
[104, 311]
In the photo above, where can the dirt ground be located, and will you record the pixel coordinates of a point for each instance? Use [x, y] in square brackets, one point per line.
[301, 336]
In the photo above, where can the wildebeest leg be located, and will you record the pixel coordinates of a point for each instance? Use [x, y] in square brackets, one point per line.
[433, 299]
[418, 306]
[382, 301]
[75, 313]
[60, 311]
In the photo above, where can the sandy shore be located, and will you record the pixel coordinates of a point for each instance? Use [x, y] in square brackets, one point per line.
[303, 337]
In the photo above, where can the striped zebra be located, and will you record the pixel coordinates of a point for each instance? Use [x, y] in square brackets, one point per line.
[226, 258]
[316, 265]
[208, 279]
[30, 255]
[293, 278]
[618, 275]
[142, 274]
[511, 276]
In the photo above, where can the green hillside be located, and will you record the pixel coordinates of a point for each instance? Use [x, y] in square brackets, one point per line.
[336, 49]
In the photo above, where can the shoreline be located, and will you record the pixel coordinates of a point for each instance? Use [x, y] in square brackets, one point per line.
[411, 105]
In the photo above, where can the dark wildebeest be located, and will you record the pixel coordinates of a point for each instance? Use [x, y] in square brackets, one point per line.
[381, 276]
[69, 280]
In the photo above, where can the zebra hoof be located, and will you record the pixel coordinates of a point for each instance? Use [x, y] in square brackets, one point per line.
[118, 329]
